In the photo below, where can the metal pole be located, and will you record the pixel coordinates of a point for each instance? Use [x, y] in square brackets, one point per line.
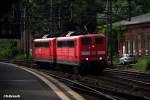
[109, 25]
[26, 35]
[59, 27]
[27, 32]
[24, 29]
[71, 12]
[129, 12]
[51, 16]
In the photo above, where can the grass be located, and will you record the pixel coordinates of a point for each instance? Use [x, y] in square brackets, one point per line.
[8, 48]
[143, 64]
[115, 60]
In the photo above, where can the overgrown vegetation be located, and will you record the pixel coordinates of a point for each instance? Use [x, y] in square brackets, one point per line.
[117, 35]
[143, 64]
[22, 56]
[8, 49]
[115, 60]
[76, 14]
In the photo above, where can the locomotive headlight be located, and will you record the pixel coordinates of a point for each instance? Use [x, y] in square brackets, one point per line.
[86, 58]
[93, 46]
[100, 58]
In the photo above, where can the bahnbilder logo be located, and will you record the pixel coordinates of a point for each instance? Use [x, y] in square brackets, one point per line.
[11, 96]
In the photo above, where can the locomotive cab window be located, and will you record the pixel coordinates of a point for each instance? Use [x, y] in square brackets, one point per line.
[36, 44]
[99, 40]
[60, 44]
[86, 41]
[69, 43]
[45, 44]
[41, 44]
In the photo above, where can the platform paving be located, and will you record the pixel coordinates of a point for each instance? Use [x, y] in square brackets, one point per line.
[17, 84]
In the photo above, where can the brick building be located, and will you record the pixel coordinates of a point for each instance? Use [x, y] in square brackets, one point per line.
[137, 36]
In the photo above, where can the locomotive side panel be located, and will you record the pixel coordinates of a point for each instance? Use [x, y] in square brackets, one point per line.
[45, 50]
[67, 51]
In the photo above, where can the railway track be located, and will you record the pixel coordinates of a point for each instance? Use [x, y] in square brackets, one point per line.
[137, 79]
[100, 92]
[84, 89]
[140, 76]
[138, 82]
[122, 86]
[114, 83]
[100, 84]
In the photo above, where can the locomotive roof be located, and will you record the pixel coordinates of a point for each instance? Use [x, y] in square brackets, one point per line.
[44, 39]
[87, 35]
[69, 37]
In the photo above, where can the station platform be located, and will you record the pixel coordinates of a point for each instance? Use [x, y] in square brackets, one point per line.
[18, 84]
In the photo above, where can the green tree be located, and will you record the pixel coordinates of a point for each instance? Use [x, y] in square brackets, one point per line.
[117, 35]
[79, 14]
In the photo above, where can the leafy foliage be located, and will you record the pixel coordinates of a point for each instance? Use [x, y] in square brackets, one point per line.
[8, 49]
[117, 35]
[123, 9]
[78, 14]
[143, 64]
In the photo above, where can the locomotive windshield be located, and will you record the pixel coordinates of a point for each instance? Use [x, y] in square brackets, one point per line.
[86, 41]
[98, 40]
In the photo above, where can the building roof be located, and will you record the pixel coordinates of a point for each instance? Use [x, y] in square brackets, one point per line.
[136, 20]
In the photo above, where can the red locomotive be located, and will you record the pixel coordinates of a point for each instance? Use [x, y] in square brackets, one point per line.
[85, 52]
[44, 50]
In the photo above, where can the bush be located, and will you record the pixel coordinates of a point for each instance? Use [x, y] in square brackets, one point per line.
[8, 49]
[6, 53]
[143, 64]
[115, 60]
[20, 57]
